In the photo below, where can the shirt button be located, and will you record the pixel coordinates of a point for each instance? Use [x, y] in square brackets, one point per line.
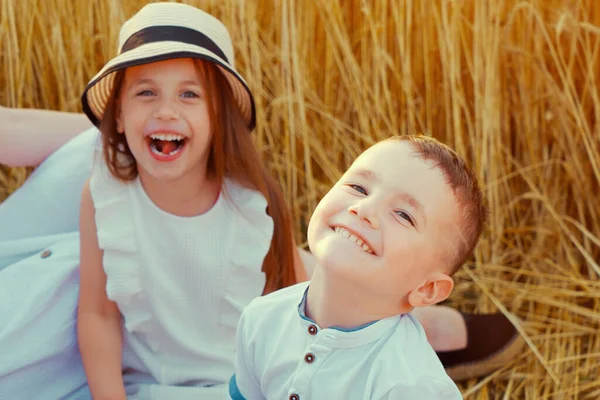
[46, 253]
[309, 358]
[312, 330]
[294, 397]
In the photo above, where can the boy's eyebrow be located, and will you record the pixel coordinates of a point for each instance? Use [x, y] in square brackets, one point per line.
[414, 204]
[365, 173]
[412, 201]
[372, 176]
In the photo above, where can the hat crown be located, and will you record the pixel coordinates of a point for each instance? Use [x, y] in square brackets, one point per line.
[162, 31]
[179, 15]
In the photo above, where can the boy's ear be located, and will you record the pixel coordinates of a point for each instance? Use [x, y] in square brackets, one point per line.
[435, 289]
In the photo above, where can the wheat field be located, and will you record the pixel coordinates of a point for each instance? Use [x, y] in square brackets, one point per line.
[511, 85]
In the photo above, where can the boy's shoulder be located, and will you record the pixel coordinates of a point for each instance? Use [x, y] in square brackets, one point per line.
[408, 362]
[276, 303]
[280, 298]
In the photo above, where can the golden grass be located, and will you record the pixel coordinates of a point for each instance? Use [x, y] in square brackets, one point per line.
[513, 86]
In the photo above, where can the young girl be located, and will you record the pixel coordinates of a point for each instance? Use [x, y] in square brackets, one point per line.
[181, 226]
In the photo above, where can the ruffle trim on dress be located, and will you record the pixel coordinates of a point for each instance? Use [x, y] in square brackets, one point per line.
[117, 238]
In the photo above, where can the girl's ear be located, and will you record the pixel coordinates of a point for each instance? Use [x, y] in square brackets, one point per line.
[437, 288]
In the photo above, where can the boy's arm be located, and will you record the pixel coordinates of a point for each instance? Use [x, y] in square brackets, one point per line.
[28, 136]
[243, 384]
[98, 318]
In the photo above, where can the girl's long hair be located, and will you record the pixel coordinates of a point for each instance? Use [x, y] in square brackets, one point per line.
[232, 155]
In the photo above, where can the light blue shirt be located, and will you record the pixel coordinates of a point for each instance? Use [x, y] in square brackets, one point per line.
[282, 354]
[38, 302]
[39, 284]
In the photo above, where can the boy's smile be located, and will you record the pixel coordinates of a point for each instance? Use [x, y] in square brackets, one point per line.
[387, 223]
[354, 237]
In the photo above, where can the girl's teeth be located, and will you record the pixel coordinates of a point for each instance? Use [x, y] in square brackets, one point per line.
[169, 137]
[353, 238]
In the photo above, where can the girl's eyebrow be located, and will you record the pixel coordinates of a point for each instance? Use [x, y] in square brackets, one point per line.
[191, 82]
[141, 82]
[149, 81]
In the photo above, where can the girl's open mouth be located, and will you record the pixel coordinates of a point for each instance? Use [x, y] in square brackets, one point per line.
[166, 147]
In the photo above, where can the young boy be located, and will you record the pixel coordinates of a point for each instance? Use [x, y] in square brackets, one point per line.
[387, 238]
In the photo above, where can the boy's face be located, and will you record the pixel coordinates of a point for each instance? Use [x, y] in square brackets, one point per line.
[387, 223]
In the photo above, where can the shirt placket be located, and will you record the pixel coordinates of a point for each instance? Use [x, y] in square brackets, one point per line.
[315, 354]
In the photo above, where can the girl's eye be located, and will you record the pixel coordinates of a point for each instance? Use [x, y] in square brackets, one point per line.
[407, 217]
[190, 95]
[145, 93]
[359, 189]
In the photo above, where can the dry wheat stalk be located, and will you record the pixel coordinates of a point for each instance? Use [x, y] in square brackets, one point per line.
[513, 86]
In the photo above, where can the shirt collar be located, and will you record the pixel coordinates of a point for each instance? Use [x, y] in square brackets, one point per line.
[348, 337]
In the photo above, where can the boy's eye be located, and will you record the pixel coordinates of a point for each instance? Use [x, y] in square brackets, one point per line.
[189, 94]
[359, 189]
[407, 217]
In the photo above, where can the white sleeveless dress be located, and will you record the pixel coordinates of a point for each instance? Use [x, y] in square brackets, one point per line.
[180, 283]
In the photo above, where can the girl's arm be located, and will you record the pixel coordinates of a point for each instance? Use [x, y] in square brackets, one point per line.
[98, 318]
[28, 136]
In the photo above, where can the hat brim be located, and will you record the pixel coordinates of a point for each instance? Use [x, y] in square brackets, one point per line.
[96, 94]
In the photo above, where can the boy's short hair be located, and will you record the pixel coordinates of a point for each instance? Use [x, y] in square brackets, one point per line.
[473, 213]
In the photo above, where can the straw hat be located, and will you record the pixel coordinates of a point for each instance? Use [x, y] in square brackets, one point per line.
[162, 31]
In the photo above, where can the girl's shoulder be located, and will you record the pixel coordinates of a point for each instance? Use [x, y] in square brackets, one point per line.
[104, 186]
[248, 208]
[244, 200]
[240, 194]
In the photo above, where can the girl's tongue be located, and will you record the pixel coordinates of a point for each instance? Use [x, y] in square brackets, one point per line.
[166, 146]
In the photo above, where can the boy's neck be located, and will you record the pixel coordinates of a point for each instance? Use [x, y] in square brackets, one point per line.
[185, 197]
[333, 302]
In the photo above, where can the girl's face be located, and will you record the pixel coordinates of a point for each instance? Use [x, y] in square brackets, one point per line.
[163, 112]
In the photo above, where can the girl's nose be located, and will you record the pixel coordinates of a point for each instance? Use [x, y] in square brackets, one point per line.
[166, 110]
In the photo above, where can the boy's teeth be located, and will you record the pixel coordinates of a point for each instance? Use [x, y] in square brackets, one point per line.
[354, 239]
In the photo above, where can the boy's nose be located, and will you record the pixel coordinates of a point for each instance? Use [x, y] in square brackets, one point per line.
[365, 213]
